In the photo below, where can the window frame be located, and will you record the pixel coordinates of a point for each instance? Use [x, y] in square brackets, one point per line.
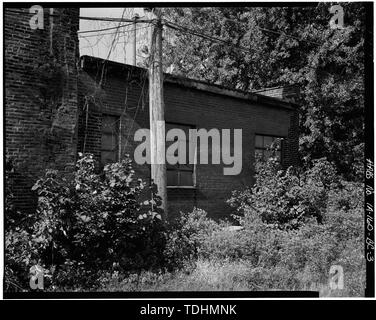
[283, 138]
[118, 136]
[194, 172]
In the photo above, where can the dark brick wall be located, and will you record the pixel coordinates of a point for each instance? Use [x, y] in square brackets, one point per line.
[125, 94]
[49, 117]
[40, 95]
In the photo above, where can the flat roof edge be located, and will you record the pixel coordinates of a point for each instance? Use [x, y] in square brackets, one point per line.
[89, 62]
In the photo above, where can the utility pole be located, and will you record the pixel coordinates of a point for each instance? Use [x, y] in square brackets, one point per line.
[156, 109]
[134, 51]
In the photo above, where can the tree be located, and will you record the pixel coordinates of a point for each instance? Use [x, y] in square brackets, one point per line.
[284, 45]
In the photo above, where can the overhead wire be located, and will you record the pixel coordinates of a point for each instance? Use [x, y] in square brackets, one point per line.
[102, 76]
[167, 23]
[141, 98]
[152, 48]
[109, 33]
[185, 29]
[110, 19]
[144, 75]
[105, 29]
[207, 37]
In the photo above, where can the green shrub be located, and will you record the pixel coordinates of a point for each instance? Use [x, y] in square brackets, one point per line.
[185, 237]
[18, 259]
[284, 242]
[287, 198]
[294, 259]
[103, 230]
[18, 245]
[13, 217]
[269, 254]
[88, 222]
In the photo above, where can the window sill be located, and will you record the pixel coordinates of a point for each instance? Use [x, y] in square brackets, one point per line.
[181, 187]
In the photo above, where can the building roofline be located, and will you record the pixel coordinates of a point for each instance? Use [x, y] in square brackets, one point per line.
[273, 88]
[89, 62]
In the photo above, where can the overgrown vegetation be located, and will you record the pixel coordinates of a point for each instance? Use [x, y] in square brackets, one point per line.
[292, 46]
[87, 223]
[103, 231]
[313, 220]
[286, 198]
[284, 245]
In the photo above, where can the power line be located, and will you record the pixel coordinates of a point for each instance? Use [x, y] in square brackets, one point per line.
[207, 37]
[116, 19]
[276, 32]
[113, 42]
[102, 74]
[84, 18]
[215, 39]
[167, 23]
[103, 69]
[103, 34]
[141, 98]
[125, 102]
[105, 29]
[286, 35]
[228, 43]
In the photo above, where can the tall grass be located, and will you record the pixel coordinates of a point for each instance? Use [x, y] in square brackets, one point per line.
[219, 276]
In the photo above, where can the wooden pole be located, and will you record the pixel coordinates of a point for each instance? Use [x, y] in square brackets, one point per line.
[156, 110]
[134, 51]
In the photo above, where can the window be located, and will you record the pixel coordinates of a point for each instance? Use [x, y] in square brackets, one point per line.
[110, 139]
[180, 175]
[263, 144]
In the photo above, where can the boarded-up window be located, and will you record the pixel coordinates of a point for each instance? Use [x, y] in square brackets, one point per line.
[264, 145]
[180, 174]
[110, 139]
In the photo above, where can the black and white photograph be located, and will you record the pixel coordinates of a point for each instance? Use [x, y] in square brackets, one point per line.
[188, 150]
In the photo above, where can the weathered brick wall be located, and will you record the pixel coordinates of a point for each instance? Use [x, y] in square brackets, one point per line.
[123, 92]
[40, 95]
[43, 121]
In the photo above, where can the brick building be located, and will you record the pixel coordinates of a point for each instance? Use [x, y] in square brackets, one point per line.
[58, 105]
[114, 104]
[40, 107]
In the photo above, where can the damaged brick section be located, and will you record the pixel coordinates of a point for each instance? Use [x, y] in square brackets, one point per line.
[41, 95]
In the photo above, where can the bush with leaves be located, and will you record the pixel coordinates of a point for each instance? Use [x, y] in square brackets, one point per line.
[185, 237]
[254, 243]
[284, 242]
[87, 222]
[13, 216]
[287, 198]
[18, 245]
[298, 258]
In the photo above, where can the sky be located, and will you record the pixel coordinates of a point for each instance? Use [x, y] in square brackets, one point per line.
[99, 43]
